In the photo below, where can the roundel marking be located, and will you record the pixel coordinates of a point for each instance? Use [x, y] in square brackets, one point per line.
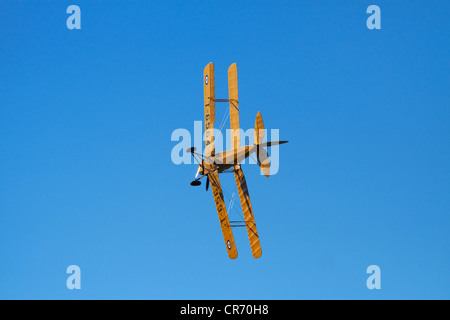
[206, 79]
[229, 244]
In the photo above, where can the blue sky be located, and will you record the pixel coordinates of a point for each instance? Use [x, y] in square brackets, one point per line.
[86, 175]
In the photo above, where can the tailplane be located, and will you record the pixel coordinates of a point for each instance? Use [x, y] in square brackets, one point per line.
[259, 129]
[261, 153]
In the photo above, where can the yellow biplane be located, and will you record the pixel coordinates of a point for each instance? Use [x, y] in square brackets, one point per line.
[212, 164]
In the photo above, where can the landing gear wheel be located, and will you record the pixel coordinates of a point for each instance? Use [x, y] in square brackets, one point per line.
[195, 183]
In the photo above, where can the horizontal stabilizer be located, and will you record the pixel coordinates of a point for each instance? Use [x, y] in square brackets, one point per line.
[259, 128]
[263, 160]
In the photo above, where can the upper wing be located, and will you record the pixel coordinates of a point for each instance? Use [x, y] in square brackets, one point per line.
[248, 212]
[234, 106]
[223, 215]
[210, 106]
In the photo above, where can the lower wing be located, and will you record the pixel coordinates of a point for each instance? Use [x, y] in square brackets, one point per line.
[223, 215]
[248, 212]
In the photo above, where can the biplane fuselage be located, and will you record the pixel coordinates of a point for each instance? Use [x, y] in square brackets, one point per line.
[211, 164]
[227, 159]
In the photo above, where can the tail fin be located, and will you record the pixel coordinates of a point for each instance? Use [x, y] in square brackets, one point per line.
[271, 143]
[261, 153]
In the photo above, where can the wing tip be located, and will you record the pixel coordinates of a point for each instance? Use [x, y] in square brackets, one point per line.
[232, 66]
[208, 67]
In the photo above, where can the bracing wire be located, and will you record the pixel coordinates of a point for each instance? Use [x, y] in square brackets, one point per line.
[235, 208]
[224, 119]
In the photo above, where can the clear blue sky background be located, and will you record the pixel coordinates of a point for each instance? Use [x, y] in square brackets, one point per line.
[86, 176]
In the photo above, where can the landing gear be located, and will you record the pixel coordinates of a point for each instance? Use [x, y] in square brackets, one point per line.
[195, 183]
